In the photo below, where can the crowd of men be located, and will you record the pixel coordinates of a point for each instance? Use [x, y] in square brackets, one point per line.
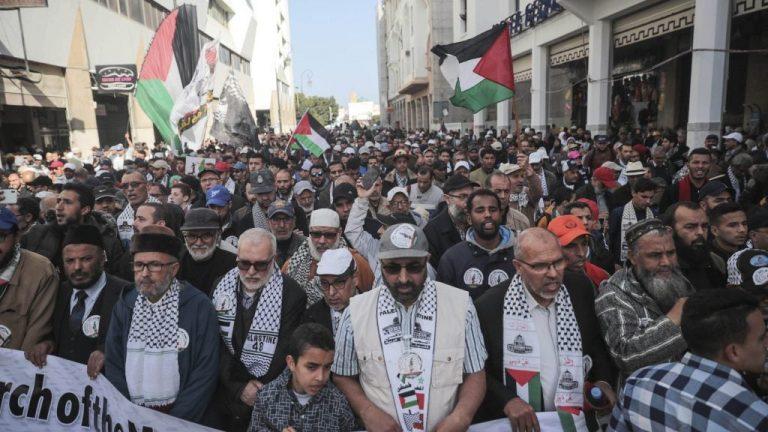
[403, 280]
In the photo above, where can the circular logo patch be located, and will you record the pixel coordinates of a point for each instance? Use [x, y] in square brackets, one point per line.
[183, 342]
[497, 276]
[760, 276]
[759, 260]
[404, 236]
[473, 277]
[224, 303]
[91, 326]
[5, 335]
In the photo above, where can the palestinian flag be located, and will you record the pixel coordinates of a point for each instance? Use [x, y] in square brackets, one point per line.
[311, 135]
[480, 69]
[168, 67]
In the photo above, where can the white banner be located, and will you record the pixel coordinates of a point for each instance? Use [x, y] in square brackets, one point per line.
[194, 165]
[61, 397]
[548, 422]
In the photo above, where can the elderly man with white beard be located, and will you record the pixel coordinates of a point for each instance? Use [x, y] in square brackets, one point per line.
[258, 309]
[324, 234]
[204, 249]
[640, 306]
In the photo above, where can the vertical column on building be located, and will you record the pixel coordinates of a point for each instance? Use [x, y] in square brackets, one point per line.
[407, 109]
[502, 115]
[708, 70]
[539, 72]
[478, 122]
[599, 84]
[84, 133]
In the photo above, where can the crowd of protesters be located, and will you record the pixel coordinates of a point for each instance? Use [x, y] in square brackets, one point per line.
[403, 280]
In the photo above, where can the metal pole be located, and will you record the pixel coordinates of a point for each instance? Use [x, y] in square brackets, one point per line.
[279, 111]
[23, 43]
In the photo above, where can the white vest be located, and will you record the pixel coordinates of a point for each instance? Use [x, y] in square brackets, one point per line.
[448, 362]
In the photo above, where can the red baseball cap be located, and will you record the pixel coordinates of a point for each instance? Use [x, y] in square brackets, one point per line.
[567, 229]
[592, 207]
[606, 177]
[221, 166]
[56, 164]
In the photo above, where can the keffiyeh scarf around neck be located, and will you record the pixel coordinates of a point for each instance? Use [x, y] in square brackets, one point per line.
[154, 341]
[299, 268]
[259, 219]
[261, 342]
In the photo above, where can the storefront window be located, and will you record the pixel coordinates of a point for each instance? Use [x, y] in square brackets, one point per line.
[567, 94]
[643, 96]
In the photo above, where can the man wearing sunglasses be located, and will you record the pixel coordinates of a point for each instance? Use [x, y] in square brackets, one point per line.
[336, 271]
[203, 250]
[134, 186]
[410, 351]
[258, 309]
[543, 338]
[325, 234]
[162, 347]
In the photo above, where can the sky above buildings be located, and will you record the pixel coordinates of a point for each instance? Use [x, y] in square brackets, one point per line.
[334, 42]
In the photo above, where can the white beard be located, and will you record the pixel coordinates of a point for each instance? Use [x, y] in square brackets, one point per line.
[251, 287]
[316, 255]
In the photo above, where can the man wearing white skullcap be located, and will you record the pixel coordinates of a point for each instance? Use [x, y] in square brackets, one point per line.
[336, 271]
[324, 235]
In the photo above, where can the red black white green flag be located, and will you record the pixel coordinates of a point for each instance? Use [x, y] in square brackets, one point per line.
[311, 135]
[168, 67]
[479, 69]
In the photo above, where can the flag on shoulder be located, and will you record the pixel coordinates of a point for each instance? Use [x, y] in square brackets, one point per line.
[311, 135]
[479, 69]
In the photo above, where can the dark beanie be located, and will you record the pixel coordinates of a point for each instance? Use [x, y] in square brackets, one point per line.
[156, 238]
[83, 234]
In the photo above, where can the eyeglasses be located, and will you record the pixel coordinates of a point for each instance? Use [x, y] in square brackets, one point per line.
[558, 265]
[412, 268]
[336, 285]
[193, 237]
[257, 265]
[153, 266]
[462, 197]
[132, 185]
[399, 203]
[327, 235]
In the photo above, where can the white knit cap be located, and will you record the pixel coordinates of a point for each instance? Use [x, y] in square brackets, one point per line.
[307, 165]
[334, 262]
[324, 218]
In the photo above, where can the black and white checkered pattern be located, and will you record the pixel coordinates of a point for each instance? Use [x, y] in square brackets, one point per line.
[266, 320]
[156, 325]
[568, 334]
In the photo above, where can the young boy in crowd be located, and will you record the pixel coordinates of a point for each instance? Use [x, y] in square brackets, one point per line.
[303, 398]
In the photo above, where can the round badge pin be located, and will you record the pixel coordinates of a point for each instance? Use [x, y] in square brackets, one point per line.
[760, 276]
[183, 342]
[91, 326]
[404, 236]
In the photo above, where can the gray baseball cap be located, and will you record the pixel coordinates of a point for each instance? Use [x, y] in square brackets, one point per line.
[403, 241]
[201, 219]
[262, 181]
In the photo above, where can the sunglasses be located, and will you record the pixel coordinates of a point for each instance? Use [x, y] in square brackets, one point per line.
[317, 174]
[257, 265]
[327, 235]
[412, 268]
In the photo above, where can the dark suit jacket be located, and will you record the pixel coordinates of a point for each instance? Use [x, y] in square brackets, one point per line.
[490, 309]
[441, 235]
[319, 313]
[233, 375]
[80, 348]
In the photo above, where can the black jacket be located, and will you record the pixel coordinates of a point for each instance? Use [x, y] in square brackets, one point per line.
[203, 275]
[46, 240]
[319, 313]
[78, 347]
[490, 310]
[441, 235]
[233, 375]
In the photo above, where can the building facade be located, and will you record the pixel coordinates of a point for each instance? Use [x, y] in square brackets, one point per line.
[412, 91]
[57, 106]
[611, 64]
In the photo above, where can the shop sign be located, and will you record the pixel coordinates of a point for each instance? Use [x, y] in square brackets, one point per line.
[116, 78]
[534, 13]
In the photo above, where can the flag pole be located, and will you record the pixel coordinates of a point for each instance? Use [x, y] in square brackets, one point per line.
[517, 117]
[290, 141]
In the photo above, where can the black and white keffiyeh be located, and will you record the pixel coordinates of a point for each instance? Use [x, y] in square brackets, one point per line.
[154, 339]
[300, 267]
[260, 344]
[259, 220]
